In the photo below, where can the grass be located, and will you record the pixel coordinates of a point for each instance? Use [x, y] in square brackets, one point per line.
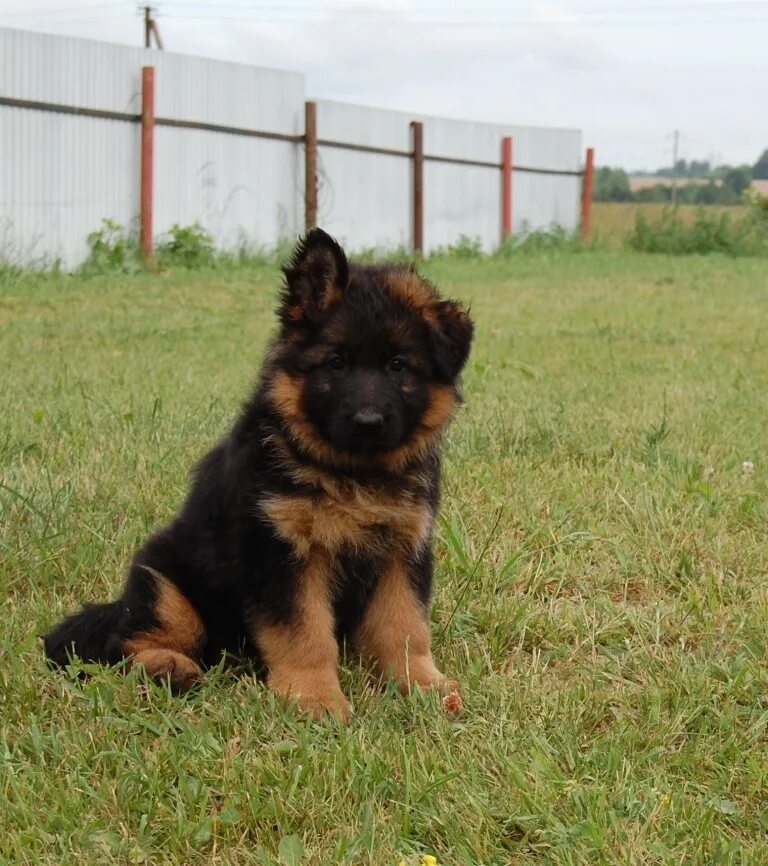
[602, 579]
[613, 222]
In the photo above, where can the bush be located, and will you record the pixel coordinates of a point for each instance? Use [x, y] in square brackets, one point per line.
[394, 255]
[112, 249]
[657, 193]
[186, 247]
[555, 239]
[464, 248]
[612, 184]
[758, 208]
[708, 233]
[726, 191]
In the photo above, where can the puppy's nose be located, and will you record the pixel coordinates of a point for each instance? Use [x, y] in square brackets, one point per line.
[368, 421]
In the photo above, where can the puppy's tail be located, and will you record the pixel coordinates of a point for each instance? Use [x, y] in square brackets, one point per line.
[90, 634]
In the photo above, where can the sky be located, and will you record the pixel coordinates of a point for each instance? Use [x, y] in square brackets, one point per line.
[625, 72]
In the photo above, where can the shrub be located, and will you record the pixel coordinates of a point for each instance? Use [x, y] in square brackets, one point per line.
[112, 249]
[464, 248]
[186, 247]
[612, 184]
[758, 207]
[554, 239]
[708, 233]
[395, 255]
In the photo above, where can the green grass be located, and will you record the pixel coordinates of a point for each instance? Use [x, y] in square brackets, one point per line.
[602, 582]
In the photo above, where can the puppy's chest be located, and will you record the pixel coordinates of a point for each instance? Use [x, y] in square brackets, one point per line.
[350, 519]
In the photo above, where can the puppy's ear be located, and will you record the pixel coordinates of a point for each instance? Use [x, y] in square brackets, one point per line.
[451, 332]
[315, 278]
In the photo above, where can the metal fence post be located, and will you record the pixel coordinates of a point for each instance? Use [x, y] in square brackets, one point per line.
[310, 165]
[417, 131]
[147, 156]
[506, 187]
[586, 194]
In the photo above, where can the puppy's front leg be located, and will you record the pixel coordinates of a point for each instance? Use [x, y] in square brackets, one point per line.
[394, 630]
[302, 653]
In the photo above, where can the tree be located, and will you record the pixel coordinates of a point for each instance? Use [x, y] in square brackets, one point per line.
[707, 193]
[659, 192]
[760, 168]
[612, 184]
[736, 180]
[698, 168]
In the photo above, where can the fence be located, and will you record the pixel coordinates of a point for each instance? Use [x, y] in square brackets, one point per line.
[102, 131]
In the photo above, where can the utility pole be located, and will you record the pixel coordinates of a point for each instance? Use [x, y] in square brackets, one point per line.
[147, 26]
[675, 143]
[150, 29]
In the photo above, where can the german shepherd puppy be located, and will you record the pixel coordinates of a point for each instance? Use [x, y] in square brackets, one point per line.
[311, 522]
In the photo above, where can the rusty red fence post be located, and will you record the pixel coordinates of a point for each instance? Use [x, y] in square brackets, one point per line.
[147, 156]
[506, 187]
[417, 131]
[310, 165]
[586, 194]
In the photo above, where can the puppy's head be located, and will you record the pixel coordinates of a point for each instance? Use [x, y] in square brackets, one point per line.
[368, 359]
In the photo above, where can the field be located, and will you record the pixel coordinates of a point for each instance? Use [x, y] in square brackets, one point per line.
[602, 582]
[612, 222]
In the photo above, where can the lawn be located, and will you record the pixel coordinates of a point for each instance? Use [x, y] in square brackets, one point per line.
[602, 582]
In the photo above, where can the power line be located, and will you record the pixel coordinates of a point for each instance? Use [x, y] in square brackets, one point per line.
[348, 8]
[691, 12]
[486, 24]
[688, 12]
[58, 11]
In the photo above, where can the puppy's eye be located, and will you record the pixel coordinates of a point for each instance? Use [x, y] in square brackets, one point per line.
[336, 362]
[396, 365]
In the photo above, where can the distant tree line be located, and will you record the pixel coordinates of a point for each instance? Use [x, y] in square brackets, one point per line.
[723, 184]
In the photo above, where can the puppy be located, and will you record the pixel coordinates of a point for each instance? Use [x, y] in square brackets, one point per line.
[312, 521]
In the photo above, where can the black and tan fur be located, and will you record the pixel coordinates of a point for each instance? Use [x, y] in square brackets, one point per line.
[311, 522]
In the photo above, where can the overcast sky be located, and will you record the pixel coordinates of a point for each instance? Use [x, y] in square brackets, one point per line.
[625, 72]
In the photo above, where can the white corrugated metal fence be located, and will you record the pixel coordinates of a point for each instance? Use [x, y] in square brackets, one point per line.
[61, 174]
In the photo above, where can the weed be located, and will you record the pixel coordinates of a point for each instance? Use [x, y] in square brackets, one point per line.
[186, 247]
[709, 232]
[113, 249]
[555, 239]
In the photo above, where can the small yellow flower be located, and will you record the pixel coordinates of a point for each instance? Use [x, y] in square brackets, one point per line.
[428, 860]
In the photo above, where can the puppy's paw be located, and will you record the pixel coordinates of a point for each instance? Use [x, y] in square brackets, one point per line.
[448, 688]
[319, 706]
[309, 696]
[423, 674]
[164, 665]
